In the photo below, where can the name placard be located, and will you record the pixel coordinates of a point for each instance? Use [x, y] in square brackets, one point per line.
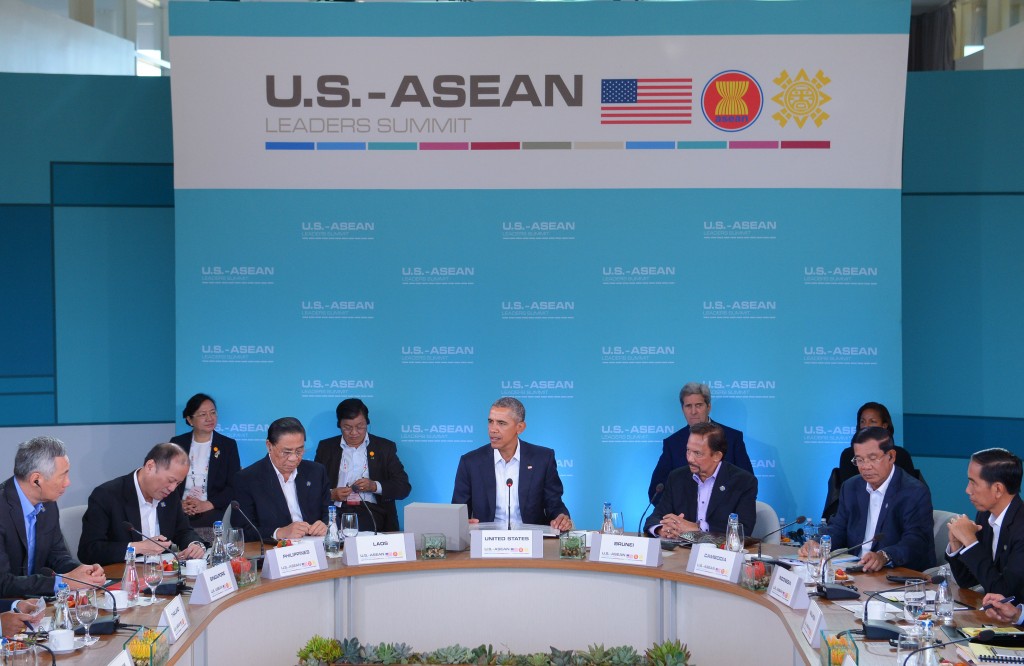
[506, 543]
[122, 659]
[709, 560]
[788, 587]
[175, 618]
[380, 549]
[639, 551]
[306, 556]
[212, 584]
[813, 624]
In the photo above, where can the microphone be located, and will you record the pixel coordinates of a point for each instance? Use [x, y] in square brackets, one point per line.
[984, 635]
[99, 628]
[171, 549]
[658, 490]
[799, 521]
[369, 511]
[234, 506]
[880, 629]
[508, 482]
[162, 588]
[832, 591]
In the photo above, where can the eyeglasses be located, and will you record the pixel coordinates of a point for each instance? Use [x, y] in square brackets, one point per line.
[870, 460]
[203, 415]
[353, 429]
[297, 453]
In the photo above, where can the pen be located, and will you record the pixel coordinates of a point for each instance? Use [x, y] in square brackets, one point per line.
[1007, 600]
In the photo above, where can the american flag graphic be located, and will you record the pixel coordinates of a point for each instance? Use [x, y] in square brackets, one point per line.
[646, 101]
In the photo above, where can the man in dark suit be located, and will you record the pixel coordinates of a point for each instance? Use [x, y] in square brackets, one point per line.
[145, 499]
[883, 499]
[700, 496]
[284, 495]
[537, 495]
[363, 470]
[989, 551]
[695, 399]
[30, 536]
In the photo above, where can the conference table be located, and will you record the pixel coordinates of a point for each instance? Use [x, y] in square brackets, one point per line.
[521, 605]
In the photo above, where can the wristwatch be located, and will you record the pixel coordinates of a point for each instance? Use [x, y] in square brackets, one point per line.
[886, 556]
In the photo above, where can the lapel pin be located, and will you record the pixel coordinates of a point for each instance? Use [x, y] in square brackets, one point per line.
[529, 467]
[308, 484]
[722, 488]
[163, 504]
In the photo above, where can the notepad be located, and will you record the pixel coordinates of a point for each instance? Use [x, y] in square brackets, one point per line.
[993, 654]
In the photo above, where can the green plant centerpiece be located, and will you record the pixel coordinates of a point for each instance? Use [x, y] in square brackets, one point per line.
[319, 650]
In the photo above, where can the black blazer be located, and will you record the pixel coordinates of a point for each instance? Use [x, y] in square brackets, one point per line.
[51, 549]
[382, 465]
[1005, 574]
[104, 537]
[540, 488]
[224, 465]
[735, 491]
[673, 455]
[260, 496]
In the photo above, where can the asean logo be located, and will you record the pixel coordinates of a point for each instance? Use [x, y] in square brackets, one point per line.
[801, 98]
[732, 100]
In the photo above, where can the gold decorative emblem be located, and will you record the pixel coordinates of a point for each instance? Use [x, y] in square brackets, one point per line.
[801, 98]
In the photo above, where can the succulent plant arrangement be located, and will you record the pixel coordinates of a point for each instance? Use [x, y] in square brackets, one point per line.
[320, 651]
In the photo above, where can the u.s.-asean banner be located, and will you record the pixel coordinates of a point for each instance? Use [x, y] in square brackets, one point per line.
[585, 205]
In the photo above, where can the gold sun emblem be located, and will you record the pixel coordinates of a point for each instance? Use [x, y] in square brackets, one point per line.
[801, 98]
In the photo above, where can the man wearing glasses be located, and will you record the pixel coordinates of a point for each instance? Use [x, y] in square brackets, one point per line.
[284, 495]
[882, 499]
[363, 470]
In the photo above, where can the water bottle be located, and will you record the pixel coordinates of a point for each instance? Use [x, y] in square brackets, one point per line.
[332, 541]
[734, 534]
[61, 613]
[219, 550]
[607, 526]
[130, 578]
[828, 571]
[810, 531]
[944, 598]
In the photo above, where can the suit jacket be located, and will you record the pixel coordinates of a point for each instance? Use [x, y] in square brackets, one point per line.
[673, 455]
[51, 549]
[260, 496]
[224, 465]
[735, 491]
[905, 519]
[540, 488]
[847, 470]
[104, 537]
[1005, 574]
[383, 466]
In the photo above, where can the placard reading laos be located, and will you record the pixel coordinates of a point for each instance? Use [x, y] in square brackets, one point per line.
[582, 205]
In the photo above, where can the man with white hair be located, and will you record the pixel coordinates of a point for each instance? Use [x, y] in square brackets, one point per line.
[30, 538]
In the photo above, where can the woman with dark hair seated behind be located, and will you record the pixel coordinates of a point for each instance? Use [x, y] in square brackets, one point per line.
[870, 414]
[213, 463]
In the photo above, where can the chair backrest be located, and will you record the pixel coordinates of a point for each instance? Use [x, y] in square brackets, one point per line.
[71, 526]
[767, 521]
[940, 529]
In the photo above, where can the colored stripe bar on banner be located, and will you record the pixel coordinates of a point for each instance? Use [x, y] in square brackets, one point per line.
[762, 145]
[391, 145]
[547, 145]
[807, 144]
[702, 145]
[440, 145]
[290, 145]
[650, 145]
[341, 145]
[495, 145]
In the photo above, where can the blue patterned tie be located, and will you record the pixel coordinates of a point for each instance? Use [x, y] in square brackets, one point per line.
[30, 533]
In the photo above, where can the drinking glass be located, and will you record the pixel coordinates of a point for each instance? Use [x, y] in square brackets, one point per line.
[86, 612]
[152, 574]
[913, 599]
[617, 527]
[349, 524]
[236, 543]
[814, 562]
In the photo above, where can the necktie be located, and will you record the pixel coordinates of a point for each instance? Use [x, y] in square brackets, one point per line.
[30, 533]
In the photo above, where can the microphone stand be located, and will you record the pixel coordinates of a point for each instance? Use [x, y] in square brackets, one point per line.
[172, 550]
[834, 592]
[880, 629]
[236, 507]
[660, 488]
[99, 628]
[508, 482]
[799, 521]
[985, 635]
